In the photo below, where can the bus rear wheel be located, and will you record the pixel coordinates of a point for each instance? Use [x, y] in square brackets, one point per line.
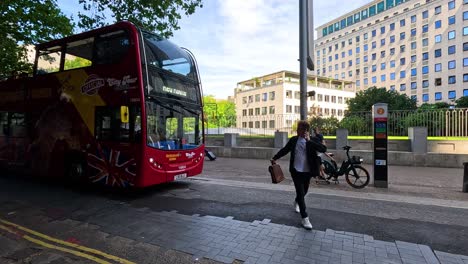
[75, 173]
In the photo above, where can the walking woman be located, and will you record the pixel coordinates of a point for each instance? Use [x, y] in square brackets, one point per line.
[303, 165]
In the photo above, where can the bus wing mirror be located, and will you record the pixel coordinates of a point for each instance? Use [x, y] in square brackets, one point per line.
[124, 114]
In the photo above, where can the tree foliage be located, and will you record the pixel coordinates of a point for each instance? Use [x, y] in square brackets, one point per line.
[219, 113]
[462, 102]
[365, 99]
[439, 105]
[327, 125]
[156, 15]
[26, 22]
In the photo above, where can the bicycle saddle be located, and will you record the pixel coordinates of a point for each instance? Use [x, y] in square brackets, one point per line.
[346, 147]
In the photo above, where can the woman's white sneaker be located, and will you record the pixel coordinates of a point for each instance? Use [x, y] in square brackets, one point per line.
[306, 223]
[296, 207]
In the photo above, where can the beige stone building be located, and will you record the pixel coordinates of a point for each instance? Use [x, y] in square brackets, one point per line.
[272, 101]
[417, 47]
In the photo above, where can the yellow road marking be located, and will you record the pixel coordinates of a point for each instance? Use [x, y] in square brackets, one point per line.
[58, 241]
[47, 245]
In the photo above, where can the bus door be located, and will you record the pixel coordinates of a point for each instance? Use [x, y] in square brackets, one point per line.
[113, 160]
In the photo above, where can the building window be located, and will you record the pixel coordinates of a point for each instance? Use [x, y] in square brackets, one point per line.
[414, 86]
[451, 34]
[438, 81]
[425, 83]
[451, 5]
[414, 72]
[425, 42]
[438, 24]
[451, 49]
[425, 69]
[392, 76]
[465, 15]
[452, 95]
[465, 77]
[438, 96]
[413, 32]
[425, 97]
[451, 20]
[383, 78]
[465, 62]
[413, 19]
[413, 59]
[402, 61]
[438, 38]
[425, 56]
[392, 26]
[465, 31]
[438, 67]
[452, 79]
[272, 123]
[451, 65]
[413, 45]
[374, 79]
[414, 98]
[382, 30]
[392, 64]
[272, 96]
[437, 53]
[271, 110]
[382, 66]
[465, 92]
[425, 14]
[437, 10]
[402, 35]
[402, 23]
[402, 74]
[402, 87]
[425, 28]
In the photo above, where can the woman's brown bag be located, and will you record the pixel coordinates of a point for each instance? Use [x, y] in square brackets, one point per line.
[277, 175]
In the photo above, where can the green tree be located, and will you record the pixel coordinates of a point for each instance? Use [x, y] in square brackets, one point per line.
[440, 105]
[462, 102]
[220, 113]
[365, 99]
[357, 124]
[26, 22]
[161, 16]
[327, 125]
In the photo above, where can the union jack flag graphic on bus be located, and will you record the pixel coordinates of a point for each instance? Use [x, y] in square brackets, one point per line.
[112, 168]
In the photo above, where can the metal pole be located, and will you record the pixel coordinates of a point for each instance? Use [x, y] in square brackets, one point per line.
[303, 57]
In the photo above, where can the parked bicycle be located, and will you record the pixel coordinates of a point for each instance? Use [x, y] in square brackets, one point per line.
[356, 175]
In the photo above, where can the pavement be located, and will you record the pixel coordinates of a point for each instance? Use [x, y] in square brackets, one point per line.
[142, 235]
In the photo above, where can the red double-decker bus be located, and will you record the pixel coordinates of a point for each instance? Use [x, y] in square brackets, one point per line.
[117, 106]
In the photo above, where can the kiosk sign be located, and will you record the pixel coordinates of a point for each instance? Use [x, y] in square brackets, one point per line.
[380, 115]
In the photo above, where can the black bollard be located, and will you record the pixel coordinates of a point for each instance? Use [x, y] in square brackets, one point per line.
[465, 177]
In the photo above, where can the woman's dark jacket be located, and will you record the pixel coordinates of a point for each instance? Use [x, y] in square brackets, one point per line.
[312, 147]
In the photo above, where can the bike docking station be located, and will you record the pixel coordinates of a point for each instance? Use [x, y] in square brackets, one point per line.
[379, 119]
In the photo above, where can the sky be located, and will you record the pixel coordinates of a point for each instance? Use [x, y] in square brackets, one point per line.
[236, 40]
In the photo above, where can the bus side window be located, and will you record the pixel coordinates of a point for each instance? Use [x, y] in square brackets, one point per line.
[111, 47]
[79, 54]
[49, 60]
[17, 125]
[4, 130]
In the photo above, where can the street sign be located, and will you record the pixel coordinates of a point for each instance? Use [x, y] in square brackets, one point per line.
[379, 118]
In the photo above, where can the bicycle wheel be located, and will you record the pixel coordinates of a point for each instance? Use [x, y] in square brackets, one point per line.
[358, 180]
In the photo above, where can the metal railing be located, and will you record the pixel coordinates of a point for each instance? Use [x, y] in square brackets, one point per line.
[440, 123]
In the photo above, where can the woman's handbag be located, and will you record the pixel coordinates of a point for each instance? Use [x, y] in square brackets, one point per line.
[277, 175]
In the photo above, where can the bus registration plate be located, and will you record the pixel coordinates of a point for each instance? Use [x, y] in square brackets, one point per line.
[180, 176]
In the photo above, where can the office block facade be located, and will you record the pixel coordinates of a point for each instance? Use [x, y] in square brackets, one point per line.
[416, 47]
[273, 101]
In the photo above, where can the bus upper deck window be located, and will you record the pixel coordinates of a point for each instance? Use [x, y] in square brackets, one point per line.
[111, 47]
[48, 60]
